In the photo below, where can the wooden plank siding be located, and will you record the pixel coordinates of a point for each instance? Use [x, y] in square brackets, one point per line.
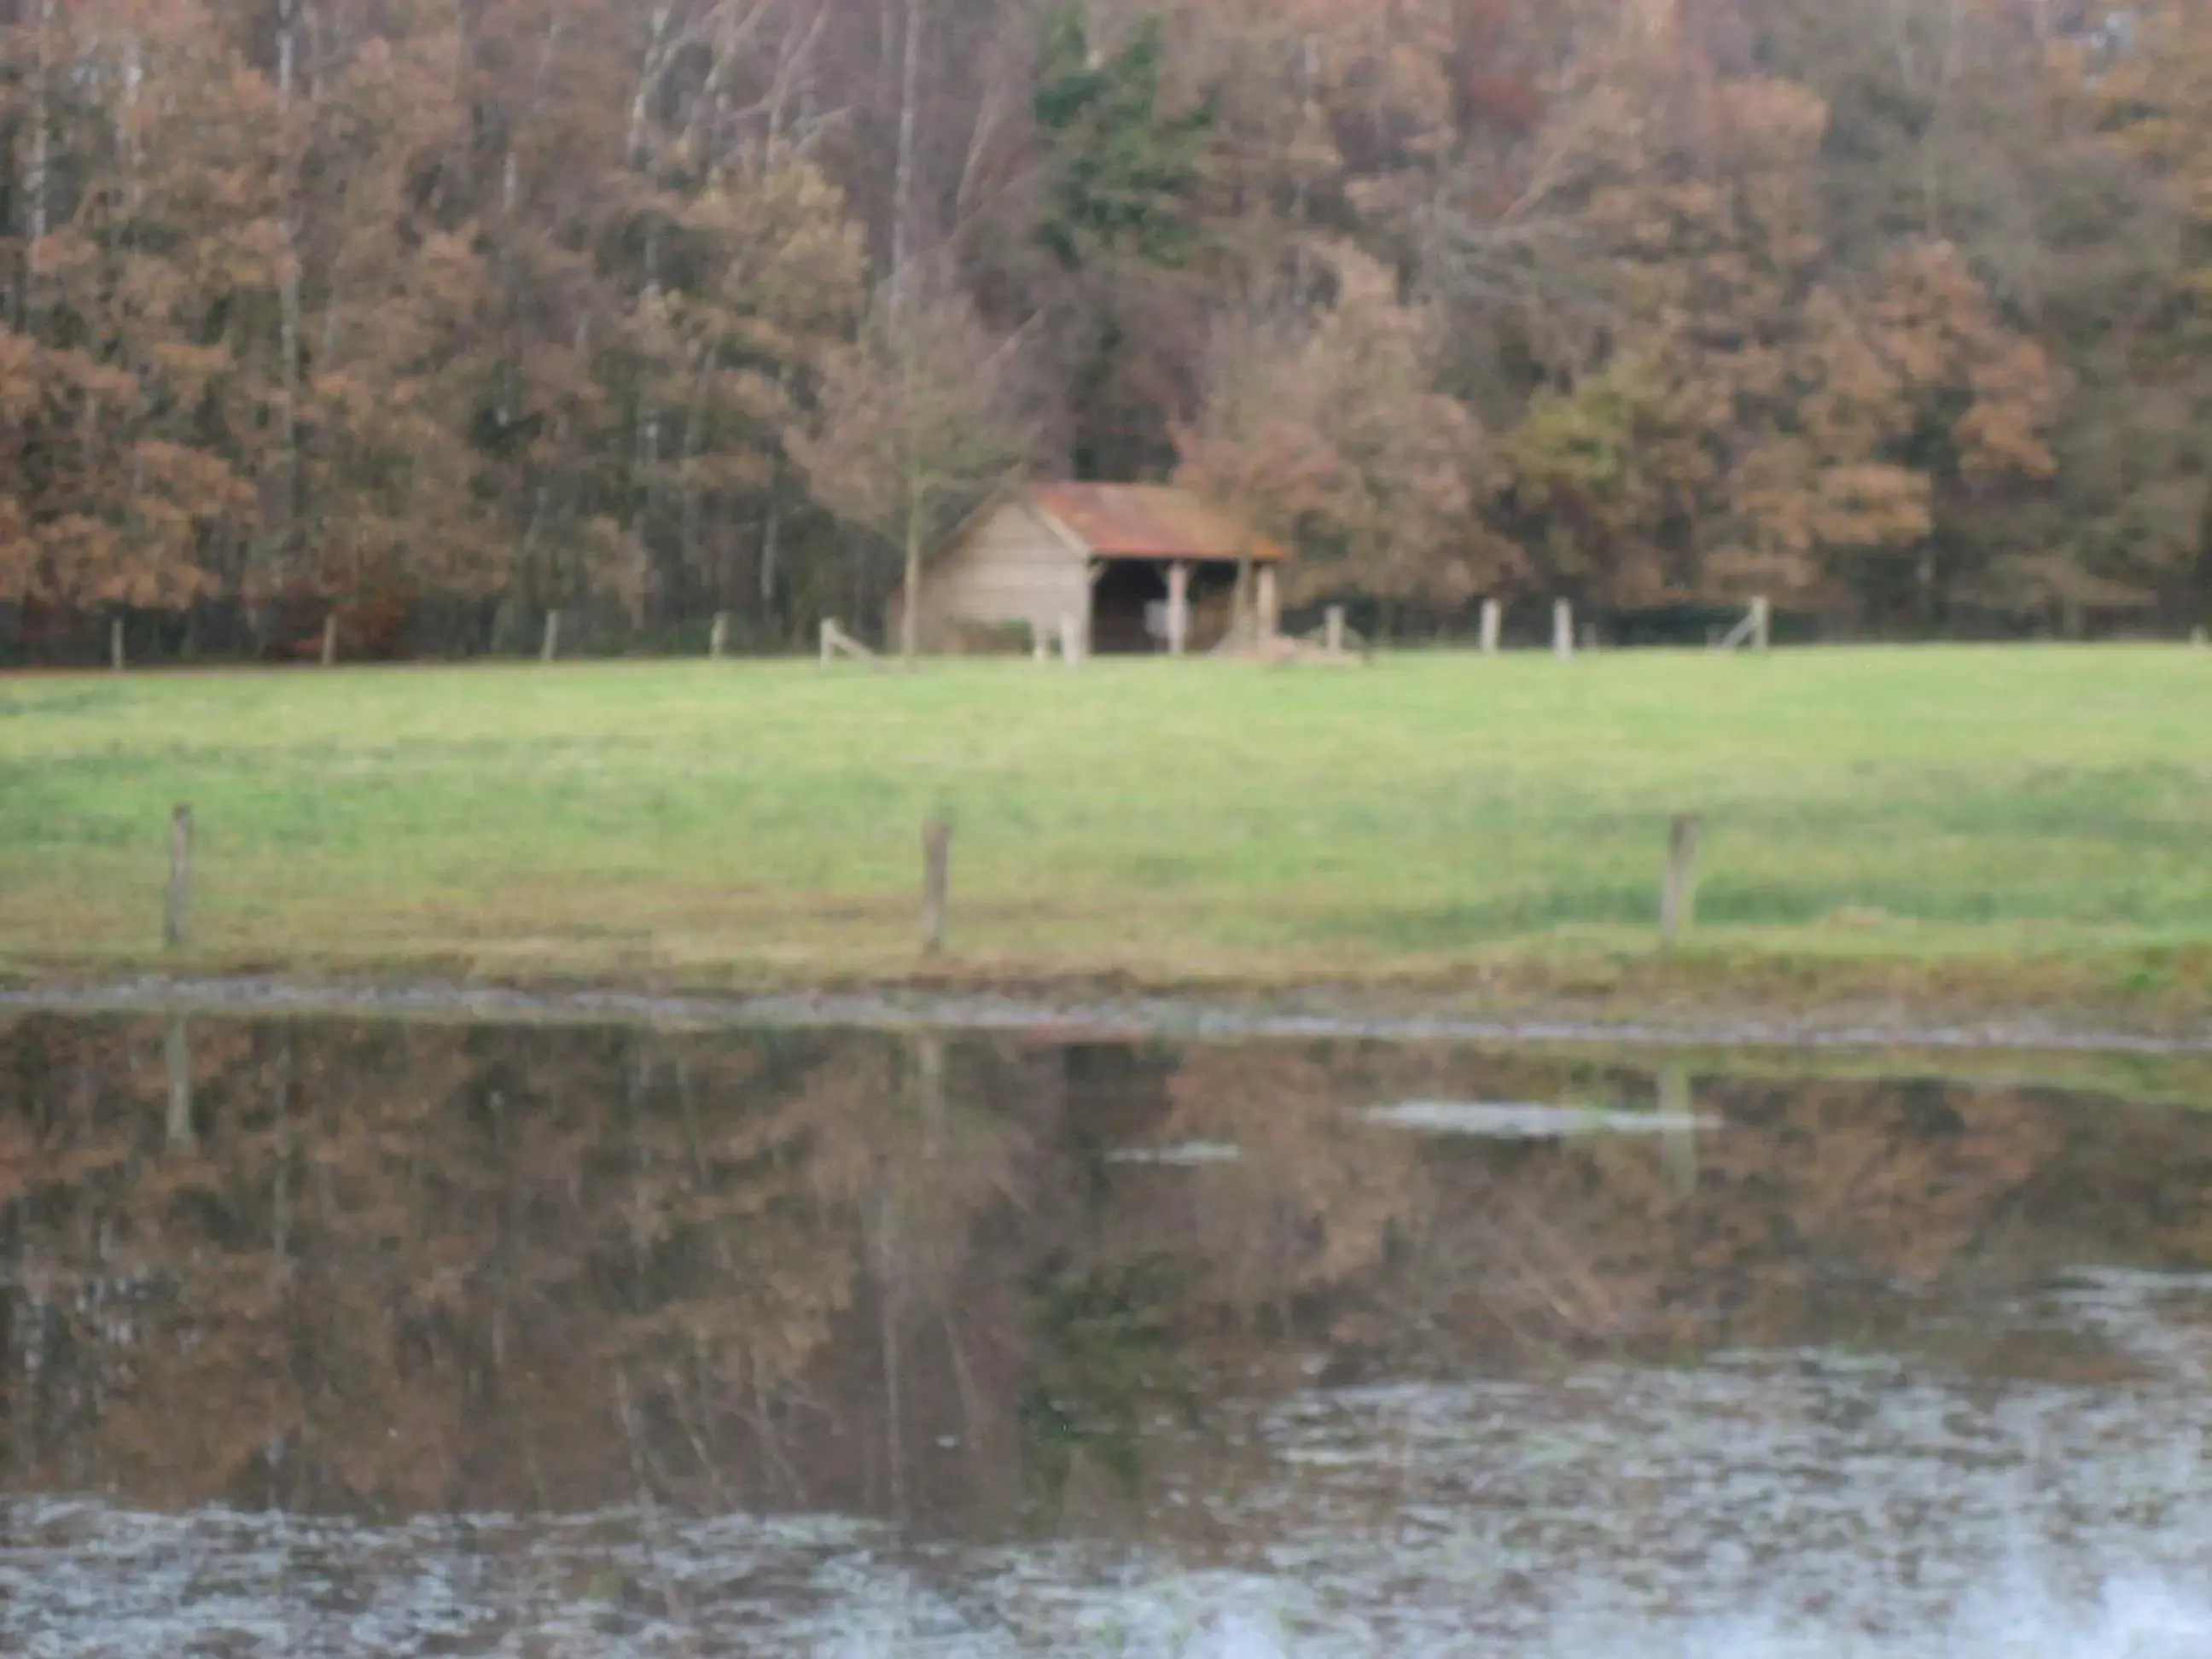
[1010, 566]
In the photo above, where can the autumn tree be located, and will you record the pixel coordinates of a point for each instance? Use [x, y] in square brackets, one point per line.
[130, 407]
[913, 427]
[1725, 406]
[1325, 430]
[2146, 74]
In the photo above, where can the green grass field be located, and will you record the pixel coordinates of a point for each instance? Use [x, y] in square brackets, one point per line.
[1432, 816]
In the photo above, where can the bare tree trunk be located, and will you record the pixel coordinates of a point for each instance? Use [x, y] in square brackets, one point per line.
[645, 461]
[902, 180]
[283, 536]
[888, 1333]
[1310, 116]
[37, 171]
[910, 609]
[134, 82]
[642, 101]
[694, 515]
[281, 1205]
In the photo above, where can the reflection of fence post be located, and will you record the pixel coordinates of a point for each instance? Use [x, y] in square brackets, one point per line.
[936, 883]
[1492, 619]
[1678, 1141]
[551, 648]
[929, 1077]
[1678, 901]
[718, 642]
[1563, 630]
[177, 1058]
[176, 909]
[115, 659]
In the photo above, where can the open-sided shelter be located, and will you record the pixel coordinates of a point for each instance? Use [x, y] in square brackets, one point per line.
[1134, 567]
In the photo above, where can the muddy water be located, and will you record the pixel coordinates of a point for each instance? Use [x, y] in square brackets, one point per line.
[368, 1339]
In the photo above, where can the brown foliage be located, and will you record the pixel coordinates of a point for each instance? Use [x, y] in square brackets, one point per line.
[1879, 305]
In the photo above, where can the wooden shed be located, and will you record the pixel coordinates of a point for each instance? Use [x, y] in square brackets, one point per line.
[1135, 567]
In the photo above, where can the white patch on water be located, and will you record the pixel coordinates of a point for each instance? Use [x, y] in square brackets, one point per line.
[1529, 1120]
[1190, 1154]
[1807, 1505]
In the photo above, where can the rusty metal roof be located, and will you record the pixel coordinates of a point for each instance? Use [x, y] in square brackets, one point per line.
[1150, 521]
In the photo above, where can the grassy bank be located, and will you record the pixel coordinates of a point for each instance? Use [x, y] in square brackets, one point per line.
[2031, 823]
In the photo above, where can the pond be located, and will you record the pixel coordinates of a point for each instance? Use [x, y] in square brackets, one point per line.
[406, 1338]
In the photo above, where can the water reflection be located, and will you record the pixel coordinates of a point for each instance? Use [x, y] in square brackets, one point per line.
[403, 1339]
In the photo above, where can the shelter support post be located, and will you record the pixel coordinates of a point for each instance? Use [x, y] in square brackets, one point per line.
[1178, 608]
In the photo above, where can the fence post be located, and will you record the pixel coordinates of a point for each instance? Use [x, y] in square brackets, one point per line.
[115, 659]
[1493, 618]
[331, 640]
[551, 648]
[1335, 630]
[719, 641]
[1070, 642]
[1563, 630]
[936, 882]
[177, 908]
[828, 640]
[1678, 899]
[2198, 638]
[1762, 623]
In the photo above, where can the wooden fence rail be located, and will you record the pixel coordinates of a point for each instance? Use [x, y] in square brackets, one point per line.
[836, 643]
[1755, 630]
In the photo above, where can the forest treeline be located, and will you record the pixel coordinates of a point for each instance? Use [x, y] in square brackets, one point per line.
[443, 314]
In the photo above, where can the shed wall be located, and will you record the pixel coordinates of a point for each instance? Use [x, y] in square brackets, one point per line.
[1010, 568]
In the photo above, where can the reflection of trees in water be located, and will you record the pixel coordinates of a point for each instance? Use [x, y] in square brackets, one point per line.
[1310, 1202]
[1818, 1198]
[402, 1267]
[408, 1267]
